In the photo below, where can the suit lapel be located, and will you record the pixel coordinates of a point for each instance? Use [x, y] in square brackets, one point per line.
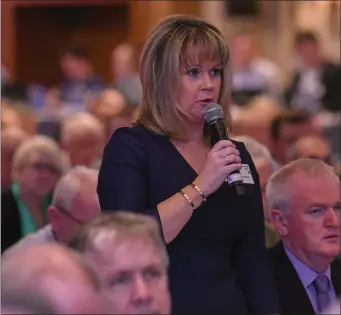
[336, 276]
[293, 296]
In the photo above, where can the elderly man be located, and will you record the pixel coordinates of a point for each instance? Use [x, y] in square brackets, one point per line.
[83, 138]
[127, 251]
[312, 146]
[265, 166]
[304, 201]
[50, 278]
[74, 203]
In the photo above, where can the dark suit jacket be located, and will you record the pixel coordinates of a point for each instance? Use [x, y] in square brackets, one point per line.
[292, 294]
[210, 258]
[10, 220]
[331, 78]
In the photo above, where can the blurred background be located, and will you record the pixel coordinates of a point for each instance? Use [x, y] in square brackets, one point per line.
[69, 57]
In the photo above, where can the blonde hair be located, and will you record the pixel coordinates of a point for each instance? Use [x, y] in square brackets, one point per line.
[42, 146]
[163, 54]
[277, 188]
[117, 226]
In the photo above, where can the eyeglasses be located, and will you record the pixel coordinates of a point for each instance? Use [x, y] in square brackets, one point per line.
[69, 215]
[38, 166]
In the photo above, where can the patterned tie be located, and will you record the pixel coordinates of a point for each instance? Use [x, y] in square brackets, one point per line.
[322, 286]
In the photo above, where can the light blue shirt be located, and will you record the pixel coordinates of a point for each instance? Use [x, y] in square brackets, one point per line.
[307, 277]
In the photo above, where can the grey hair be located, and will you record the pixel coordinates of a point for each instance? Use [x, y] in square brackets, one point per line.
[43, 146]
[81, 124]
[278, 186]
[26, 301]
[259, 152]
[118, 226]
[70, 184]
[22, 288]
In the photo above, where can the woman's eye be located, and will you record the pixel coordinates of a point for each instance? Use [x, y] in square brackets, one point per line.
[193, 72]
[215, 72]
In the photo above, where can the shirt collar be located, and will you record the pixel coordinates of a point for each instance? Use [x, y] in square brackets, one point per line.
[305, 273]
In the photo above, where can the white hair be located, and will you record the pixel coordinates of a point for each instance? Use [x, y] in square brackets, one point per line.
[71, 184]
[42, 146]
[278, 186]
[259, 153]
[79, 125]
[118, 226]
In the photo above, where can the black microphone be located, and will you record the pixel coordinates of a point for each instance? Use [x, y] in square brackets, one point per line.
[214, 117]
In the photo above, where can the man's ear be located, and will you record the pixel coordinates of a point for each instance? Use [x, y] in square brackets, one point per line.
[279, 222]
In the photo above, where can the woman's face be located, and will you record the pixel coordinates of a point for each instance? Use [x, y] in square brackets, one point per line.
[200, 84]
[38, 176]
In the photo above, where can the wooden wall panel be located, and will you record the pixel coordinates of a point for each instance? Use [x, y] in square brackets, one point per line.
[8, 43]
[144, 15]
[42, 32]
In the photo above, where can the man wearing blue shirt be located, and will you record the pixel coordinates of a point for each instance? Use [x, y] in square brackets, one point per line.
[304, 201]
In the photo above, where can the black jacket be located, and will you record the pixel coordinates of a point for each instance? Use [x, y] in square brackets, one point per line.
[292, 295]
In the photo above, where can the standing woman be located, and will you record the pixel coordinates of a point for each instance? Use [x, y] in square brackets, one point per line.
[164, 166]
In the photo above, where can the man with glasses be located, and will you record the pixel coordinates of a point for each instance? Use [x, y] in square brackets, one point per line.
[74, 203]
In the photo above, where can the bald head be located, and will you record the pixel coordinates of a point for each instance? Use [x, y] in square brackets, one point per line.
[312, 146]
[54, 274]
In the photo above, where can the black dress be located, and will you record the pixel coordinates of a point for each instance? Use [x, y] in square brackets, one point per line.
[218, 262]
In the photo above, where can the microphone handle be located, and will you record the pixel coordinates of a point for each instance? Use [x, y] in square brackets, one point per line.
[219, 132]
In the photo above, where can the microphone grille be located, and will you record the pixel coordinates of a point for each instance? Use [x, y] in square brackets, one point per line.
[213, 112]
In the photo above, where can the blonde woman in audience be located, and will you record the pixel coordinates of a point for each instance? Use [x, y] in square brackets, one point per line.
[74, 203]
[83, 138]
[38, 164]
[265, 166]
[129, 254]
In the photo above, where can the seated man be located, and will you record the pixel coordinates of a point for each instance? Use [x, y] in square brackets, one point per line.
[74, 203]
[265, 166]
[304, 202]
[50, 279]
[128, 252]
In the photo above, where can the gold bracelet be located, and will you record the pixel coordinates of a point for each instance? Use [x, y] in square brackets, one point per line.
[199, 191]
[188, 199]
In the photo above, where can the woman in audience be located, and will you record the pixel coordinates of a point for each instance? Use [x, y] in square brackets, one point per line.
[37, 165]
[164, 166]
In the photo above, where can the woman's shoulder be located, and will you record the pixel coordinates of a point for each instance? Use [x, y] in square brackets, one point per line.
[134, 134]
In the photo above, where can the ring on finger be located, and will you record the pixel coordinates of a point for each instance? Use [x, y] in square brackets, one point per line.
[227, 159]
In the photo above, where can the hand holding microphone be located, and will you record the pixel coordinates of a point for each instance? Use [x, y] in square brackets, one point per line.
[221, 151]
[222, 160]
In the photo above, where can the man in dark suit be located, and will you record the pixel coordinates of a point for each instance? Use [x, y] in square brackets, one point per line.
[315, 85]
[304, 202]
